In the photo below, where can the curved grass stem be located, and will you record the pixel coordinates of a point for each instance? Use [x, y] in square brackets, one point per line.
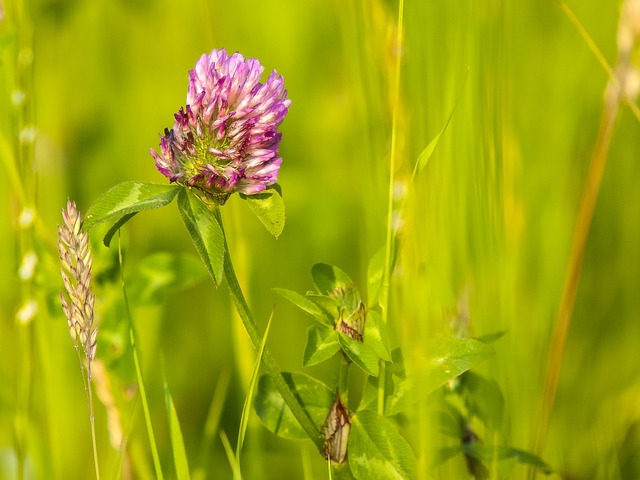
[572, 276]
[268, 361]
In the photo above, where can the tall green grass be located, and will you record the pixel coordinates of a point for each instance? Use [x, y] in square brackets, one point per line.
[486, 231]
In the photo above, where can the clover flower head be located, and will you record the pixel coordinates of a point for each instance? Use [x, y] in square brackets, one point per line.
[225, 139]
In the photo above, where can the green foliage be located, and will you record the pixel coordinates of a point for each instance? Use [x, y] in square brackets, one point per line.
[177, 440]
[360, 353]
[449, 358]
[307, 305]
[396, 391]
[205, 231]
[160, 273]
[121, 202]
[376, 336]
[376, 447]
[269, 208]
[322, 344]
[316, 398]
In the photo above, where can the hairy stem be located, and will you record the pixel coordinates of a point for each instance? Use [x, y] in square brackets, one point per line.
[269, 362]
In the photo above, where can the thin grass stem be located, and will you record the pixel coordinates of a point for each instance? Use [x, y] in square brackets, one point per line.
[386, 277]
[572, 277]
[136, 361]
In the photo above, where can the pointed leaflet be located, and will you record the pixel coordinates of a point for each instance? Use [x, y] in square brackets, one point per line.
[449, 358]
[328, 279]
[306, 305]
[269, 208]
[375, 335]
[322, 344]
[376, 447]
[205, 231]
[424, 157]
[128, 198]
[316, 398]
[359, 353]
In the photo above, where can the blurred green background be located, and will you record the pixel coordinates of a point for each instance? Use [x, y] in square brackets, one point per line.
[490, 218]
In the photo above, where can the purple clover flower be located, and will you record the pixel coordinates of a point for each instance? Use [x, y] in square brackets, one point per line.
[226, 139]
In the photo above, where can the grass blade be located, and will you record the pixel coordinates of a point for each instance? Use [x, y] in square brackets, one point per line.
[177, 442]
[136, 361]
[228, 449]
[246, 410]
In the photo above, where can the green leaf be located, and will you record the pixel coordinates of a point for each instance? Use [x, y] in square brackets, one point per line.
[329, 305]
[396, 391]
[177, 442]
[375, 335]
[163, 272]
[126, 198]
[449, 358]
[491, 337]
[446, 453]
[316, 398]
[376, 448]
[375, 272]
[483, 399]
[305, 305]
[424, 157]
[528, 458]
[322, 344]
[205, 231]
[329, 279]
[115, 227]
[268, 206]
[246, 410]
[488, 454]
[359, 353]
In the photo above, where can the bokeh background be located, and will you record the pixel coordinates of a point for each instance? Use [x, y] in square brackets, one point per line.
[85, 88]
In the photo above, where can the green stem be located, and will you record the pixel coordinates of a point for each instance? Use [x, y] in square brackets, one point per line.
[136, 361]
[94, 444]
[269, 362]
[343, 381]
[386, 278]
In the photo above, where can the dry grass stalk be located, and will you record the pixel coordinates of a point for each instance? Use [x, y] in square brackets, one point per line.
[76, 259]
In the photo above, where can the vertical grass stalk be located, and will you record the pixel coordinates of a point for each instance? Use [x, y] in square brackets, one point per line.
[136, 361]
[386, 277]
[615, 92]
